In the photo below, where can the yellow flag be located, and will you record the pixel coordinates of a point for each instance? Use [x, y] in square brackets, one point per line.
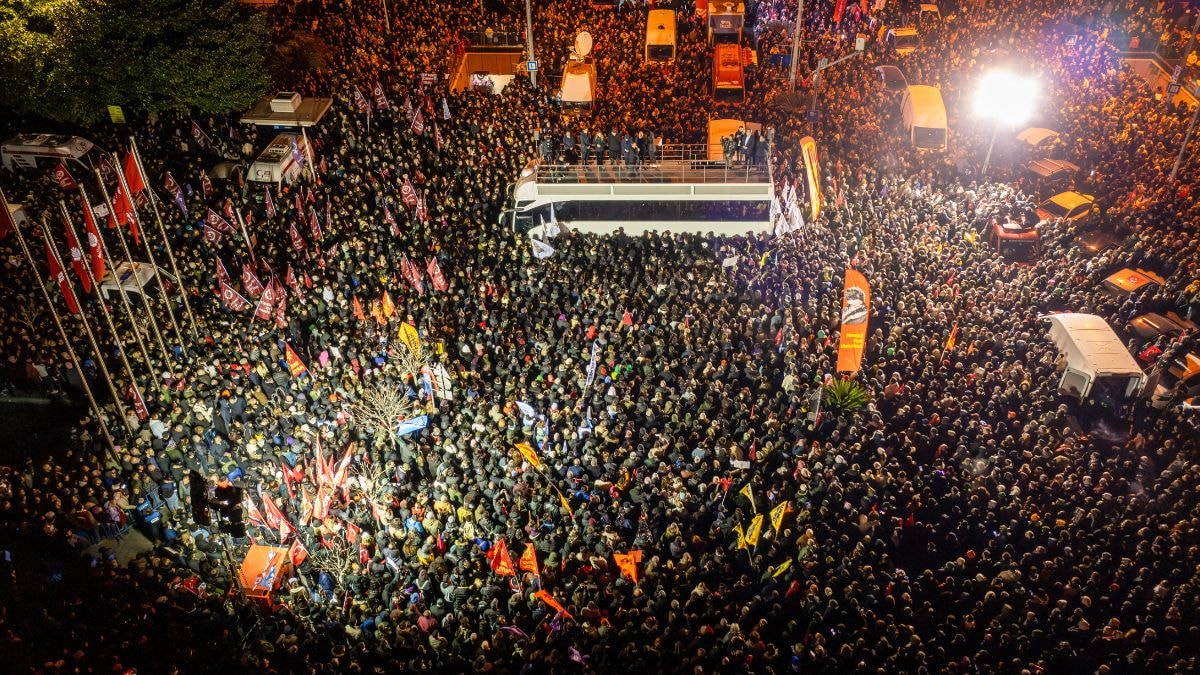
[754, 529]
[566, 505]
[530, 456]
[410, 338]
[745, 492]
[741, 533]
[777, 515]
[783, 567]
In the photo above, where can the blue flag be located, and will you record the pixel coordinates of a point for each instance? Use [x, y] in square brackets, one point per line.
[408, 426]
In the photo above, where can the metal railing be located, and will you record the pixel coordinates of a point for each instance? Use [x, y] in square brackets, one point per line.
[495, 38]
[665, 171]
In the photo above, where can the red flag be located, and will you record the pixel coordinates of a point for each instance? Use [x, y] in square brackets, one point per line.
[408, 193]
[281, 299]
[342, 473]
[626, 319]
[360, 101]
[252, 513]
[250, 283]
[133, 177]
[437, 136]
[123, 210]
[199, 135]
[266, 303]
[211, 237]
[387, 215]
[206, 184]
[170, 184]
[139, 404]
[381, 101]
[7, 226]
[500, 560]
[215, 221]
[297, 241]
[76, 252]
[352, 532]
[953, 339]
[232, 299]
[228, 209]
[270, 203]
[274, 514]
[388, 307]
[408, 108]
[298, 554]
[528, 561]
[435, 275]
[95, 253]
[290, 280]
[295, 366]
[358, 310]
[222, 274]
[549, 600]
[413, 274]
[63, 177]
[838, 9]
[422, 212]
[314, 226]
[64, 284]
[418, 124]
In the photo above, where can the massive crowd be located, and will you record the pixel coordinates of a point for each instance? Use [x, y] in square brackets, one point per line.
[969, 518]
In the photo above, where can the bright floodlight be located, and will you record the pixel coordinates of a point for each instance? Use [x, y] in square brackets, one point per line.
[1005, 97]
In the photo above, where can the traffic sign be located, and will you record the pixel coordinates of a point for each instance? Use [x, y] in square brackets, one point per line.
[531, 66]
[1176, 73]
[1172, 89]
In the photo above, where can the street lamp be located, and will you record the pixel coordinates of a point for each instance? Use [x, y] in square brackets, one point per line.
[1007, 99]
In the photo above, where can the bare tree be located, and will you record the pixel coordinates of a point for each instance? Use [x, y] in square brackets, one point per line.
[380, 406]
[336, 560]
[405, 360]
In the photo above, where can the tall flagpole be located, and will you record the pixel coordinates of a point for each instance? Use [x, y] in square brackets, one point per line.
[87, 328]
[96, 284]
[83, 379]
[249, 244]
[149, 252]
[133, 268]
[137, 158]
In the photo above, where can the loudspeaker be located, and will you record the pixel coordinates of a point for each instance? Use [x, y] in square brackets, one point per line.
[199, 498]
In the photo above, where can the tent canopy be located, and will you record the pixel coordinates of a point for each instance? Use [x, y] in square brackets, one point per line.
[1091, 346]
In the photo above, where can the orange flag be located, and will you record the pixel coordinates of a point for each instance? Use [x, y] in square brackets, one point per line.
[528, 561]
[627, 562]
[358, 310]
[500, 560]
[549, 600]
[953, 339]
[377, 313]
[389, 308]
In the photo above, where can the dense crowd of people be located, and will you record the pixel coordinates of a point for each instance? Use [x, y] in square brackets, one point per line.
[627, 394]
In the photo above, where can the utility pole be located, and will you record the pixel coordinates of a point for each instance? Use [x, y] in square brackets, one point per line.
[529, 40]
[1188, 137]
[796, 45]
[1183, 61]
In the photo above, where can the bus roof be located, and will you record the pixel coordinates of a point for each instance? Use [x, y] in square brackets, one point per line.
[928, 109]
[720, 128]
[660, 27]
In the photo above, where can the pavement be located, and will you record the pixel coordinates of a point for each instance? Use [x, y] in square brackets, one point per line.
[127, 547]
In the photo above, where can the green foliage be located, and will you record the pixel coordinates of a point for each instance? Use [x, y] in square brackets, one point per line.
[845, 396]
[69, 60]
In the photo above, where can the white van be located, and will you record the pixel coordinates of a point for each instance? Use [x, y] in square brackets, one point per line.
[924, 117]
[278, 162]
[45, 151]
[660, 36]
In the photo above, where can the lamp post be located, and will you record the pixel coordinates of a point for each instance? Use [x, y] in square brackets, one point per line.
[529, 40]
[796, 45]
[1006, 99]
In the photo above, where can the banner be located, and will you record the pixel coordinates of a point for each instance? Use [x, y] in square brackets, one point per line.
[411, 425]
[627, 563]
[410, 337]
[528, 561]
[530, 456]
[856, 308]
[500, 560]
[838, 10]
[295, 366]
[591, 369]
[812, 174]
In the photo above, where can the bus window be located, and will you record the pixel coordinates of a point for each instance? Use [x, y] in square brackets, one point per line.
[728, 80]
[660, 36]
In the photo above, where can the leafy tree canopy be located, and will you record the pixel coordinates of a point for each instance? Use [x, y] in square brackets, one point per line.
[70, 59]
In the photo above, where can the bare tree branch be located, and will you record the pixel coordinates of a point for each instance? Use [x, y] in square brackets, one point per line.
[336, 561]
[380, 407]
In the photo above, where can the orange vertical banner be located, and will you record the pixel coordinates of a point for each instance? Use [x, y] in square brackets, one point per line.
[856, 308]
[812, 175]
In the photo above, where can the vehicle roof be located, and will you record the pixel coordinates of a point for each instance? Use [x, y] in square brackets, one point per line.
[1130, 280]
[1049, 167]
[1036, 135]
[1155, 323]
[906, 30]
[1070, 199]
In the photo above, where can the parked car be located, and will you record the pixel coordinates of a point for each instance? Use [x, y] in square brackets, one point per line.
[1070, 205]
[1127, 282]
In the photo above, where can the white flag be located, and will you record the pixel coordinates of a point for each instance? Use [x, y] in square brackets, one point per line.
[591, 371]
[541, 250]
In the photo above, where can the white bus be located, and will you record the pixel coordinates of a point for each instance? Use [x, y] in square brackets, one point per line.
[279, 161]
[924, 117]
[696, 196]
[660, 36]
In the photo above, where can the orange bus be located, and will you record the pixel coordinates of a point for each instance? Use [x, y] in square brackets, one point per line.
[729, 83]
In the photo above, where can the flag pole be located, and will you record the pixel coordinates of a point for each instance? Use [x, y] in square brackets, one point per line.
[133, 268]
[87, 327]
[137, 219]
[183, 293]
[83, 380]
[96, 283]
[249, 244]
